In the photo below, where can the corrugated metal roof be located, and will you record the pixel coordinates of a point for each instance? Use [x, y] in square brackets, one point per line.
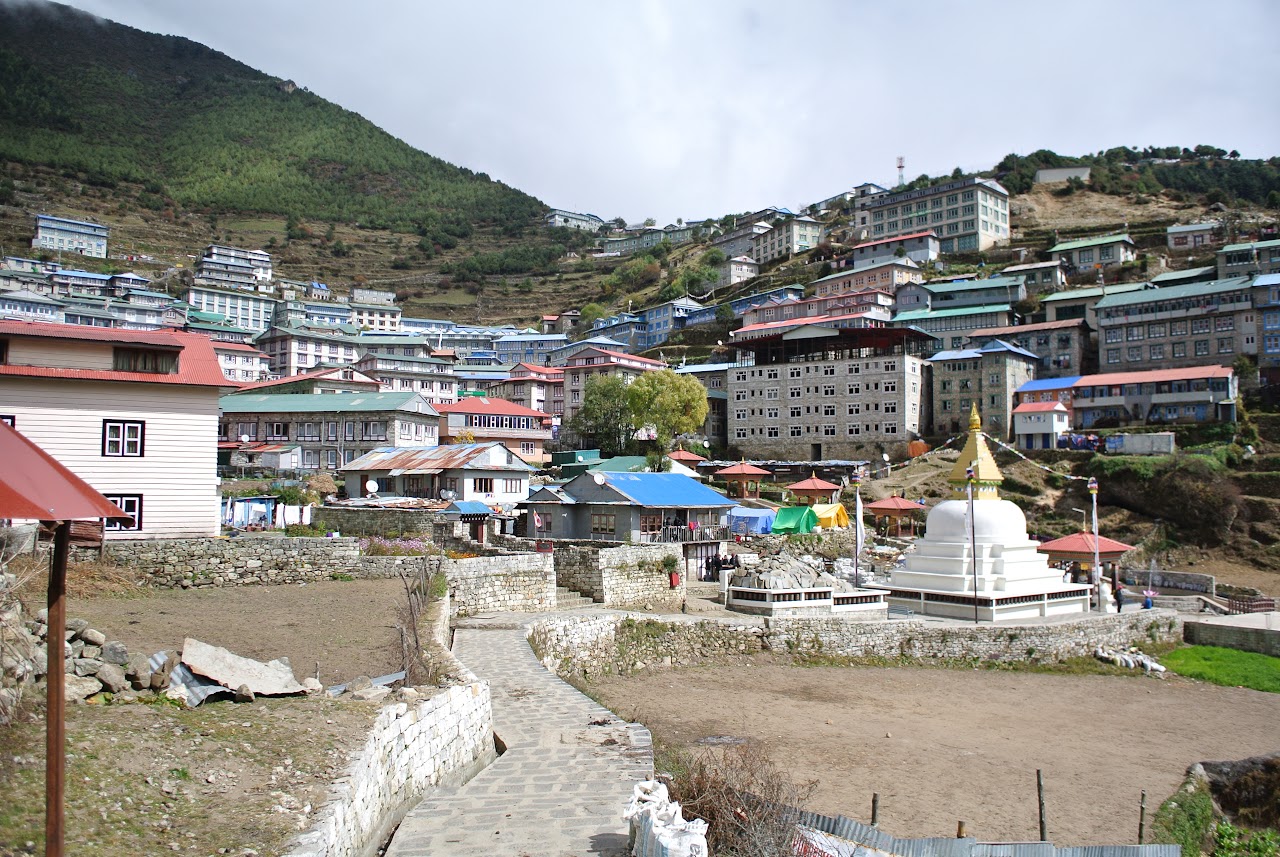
[296, 403]
[197, 362]
[1169, 293]
[1094, 292]
[663, 490]
[1089, 242]
[1153, 376]
[1048, 384]
[454, 457]
[924, 314]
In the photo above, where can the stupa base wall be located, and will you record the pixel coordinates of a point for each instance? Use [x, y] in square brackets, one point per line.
[1066, 601]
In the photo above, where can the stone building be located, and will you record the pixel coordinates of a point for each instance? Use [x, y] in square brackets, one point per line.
[817, 392]
[1064, 347]
[987, 377]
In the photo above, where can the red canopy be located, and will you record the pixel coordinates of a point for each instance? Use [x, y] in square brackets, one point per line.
[813, 483]
[1081, 545]
[743, 469]
[684, 455]
[893, 506]
[34, 485]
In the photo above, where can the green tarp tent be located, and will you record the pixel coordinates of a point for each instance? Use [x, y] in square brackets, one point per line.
[795, 519]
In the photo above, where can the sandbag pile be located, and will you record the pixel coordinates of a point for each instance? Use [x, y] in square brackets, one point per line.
[658, 829]
[1131, 658]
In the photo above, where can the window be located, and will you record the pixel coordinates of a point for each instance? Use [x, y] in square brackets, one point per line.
[1200, 325]
[771, 393]
[373, 430]
[249, 430]
[829, 389]
[890, 428]
[1225, 345]
[855, 389]
[771, 413]
[482, 485]
[123, 438]
[1179, 349]
[277, 431]
[1202, 347]
[793, 372]
[890, 407]
[891, 365]
[9, 419]
[1133, 353]
[772, 431]
[740, 433]
[1177, 328]
[795, 411]
[794, 392]
[511, 486]
[796, 431]
[890, 386]
[131, 505]
[1224, 322]
[829, 430]
[1155, 331]
[1105, 253]
[1155, 352]
[772, 374]
[603, 525]
[144, 360]
[828, 410]
[1134, 333]
[740, 414]
[1114, 334]
[1113, 355]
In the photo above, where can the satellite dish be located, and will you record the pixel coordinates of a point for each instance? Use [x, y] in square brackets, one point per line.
[244, 438]
[508, 508]
[885, 456]
[599, 478]
[371, 486]
[446, 494]
[580, 459]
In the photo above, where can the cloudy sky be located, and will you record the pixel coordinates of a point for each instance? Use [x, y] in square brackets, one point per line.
[666, 109]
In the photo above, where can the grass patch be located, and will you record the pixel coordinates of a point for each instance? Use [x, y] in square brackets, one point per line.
[1227, 667]
[1184, 819]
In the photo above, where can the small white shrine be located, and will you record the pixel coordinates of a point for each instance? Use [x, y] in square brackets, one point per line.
[1011, 579]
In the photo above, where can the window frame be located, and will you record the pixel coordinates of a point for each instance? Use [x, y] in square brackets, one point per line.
[123, 501]
[123, 439]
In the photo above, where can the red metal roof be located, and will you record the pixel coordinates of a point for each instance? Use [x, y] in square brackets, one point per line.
[801, 319]
[486, 405]
[34, 485]
[893, 506]
[743, 469]
[898, 238]
[1081, 545]
[617, 355]
[1028, 328]
[197, 361]
[813, 483]
[543, 370]
[685, 455]
[236, 346]
[1037, 407]
[315, 373]
[1153, 376]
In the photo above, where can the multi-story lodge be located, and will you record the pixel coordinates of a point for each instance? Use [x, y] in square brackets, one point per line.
[878, 303]
[242, 363]
[592, 362]
[951, 294]
[919, 247]
[56, 234]
[1159, 396]
[572, 220]
[714, 377]
[968, 215]
[1195, 325]
[527, 347]
[1249, 259]
[234, 268]
[538, 387]
[133, 413]
[818, 393]
[988, 377]
[646, 238]
[430, 377]
[888, 276]
[1101, 252]
[479, 419]
[1266, 298]
[785, 238]
[1039, 276]
[1065, 348]
[329, 430]
[246, 309]
[952, 327]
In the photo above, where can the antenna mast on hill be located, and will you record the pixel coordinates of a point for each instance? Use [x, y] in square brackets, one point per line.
[902, 163]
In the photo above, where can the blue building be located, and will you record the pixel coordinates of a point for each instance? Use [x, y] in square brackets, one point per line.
[1266, 299]
[527, 347]
[56, 234]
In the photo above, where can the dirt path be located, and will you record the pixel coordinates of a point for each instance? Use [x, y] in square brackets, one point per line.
[349, 627]
[944, 745]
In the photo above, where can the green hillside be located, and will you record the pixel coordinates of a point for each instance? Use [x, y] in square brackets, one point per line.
[201, 130]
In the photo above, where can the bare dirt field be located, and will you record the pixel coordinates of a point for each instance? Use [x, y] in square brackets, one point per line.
[943, 745]
[348, 626]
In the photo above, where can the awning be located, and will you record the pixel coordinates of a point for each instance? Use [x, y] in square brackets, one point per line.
[34, 485]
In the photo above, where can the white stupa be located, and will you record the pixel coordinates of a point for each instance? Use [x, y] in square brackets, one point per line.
[1012, 579]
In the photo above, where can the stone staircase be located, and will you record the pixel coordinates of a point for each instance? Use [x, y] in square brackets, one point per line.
[567, 599]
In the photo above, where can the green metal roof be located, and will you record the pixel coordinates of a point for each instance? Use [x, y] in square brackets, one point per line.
[1093, 292]
[975, 285]
[926, 314]
[1178, 276]
[1251, 245]
[1089, 242]
[1170, 293]
[298, 403]
[371, 355]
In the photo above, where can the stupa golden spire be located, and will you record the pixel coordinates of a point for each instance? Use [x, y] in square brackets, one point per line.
[976, 455]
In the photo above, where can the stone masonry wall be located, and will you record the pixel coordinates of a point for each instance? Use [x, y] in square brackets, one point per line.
[373, 522]
[633, 575]
[616, 644]
[412, 747]
[524, 582]
[578, 568]
[1264, 641]
[172, 563]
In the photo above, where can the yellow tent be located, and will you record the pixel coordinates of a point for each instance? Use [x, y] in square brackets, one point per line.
[831, 515]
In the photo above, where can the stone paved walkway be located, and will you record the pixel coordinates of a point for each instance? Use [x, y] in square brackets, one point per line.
[561, 786]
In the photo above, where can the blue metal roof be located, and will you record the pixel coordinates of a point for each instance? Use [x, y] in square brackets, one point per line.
[665, 489]
[1049, 384]
[1267, 280]
[468, 507]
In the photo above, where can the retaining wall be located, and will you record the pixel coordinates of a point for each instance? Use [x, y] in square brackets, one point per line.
[1187, 581]
[373, 522]
[621, 575]
[412, 747]
[1265, 641]
[620, 644]
[520, 582]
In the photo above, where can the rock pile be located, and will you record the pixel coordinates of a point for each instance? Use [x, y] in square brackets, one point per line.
[786, 571]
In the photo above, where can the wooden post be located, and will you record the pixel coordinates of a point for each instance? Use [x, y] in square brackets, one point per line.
[875, 809]
[959, 830]
[55, 682]
[1142, 818]
[1044, 837]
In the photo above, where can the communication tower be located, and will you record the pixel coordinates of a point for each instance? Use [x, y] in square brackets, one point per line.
[902, 163]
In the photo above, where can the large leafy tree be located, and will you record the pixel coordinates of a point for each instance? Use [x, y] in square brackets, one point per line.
[605, 415]
[672, 403]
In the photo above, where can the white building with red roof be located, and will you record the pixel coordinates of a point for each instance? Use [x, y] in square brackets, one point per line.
[480, 419]
[133, 413]
[919, 247]
[1037, 425]
[592, 362]
[537, 387]
[243, 363]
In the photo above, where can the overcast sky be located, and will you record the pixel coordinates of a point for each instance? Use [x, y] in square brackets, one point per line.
[666, 109]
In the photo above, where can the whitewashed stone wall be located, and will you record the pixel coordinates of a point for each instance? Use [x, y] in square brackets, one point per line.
[618, 644]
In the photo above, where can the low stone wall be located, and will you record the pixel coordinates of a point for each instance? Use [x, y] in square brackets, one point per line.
[1264, 641]
[358, 521]
[522, 582]
[173, 563]
[1187, 581]
[616, 644]
[621, 575]
[412, 747]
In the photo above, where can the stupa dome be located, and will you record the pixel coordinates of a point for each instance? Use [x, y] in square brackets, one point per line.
[994, 522]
